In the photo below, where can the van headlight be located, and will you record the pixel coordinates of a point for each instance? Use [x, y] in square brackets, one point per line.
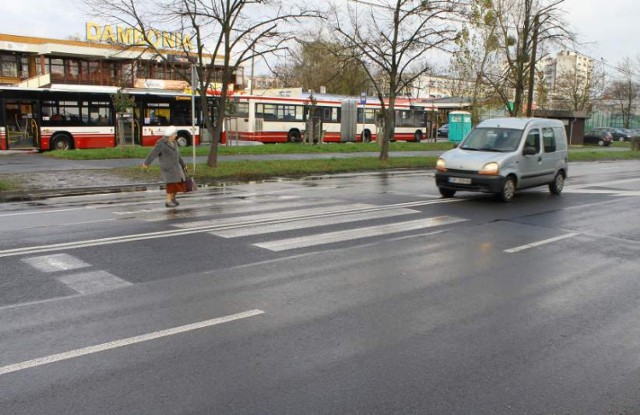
[490, 169]
[441, 165]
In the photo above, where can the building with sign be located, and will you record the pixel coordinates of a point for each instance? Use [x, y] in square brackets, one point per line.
[108, 56]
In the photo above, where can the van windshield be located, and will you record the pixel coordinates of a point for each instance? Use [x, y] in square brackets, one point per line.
[503, 140]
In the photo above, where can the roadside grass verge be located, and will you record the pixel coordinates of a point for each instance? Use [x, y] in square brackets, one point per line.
[243, 171]
[281, 148]
[6, 186]
[601, 155]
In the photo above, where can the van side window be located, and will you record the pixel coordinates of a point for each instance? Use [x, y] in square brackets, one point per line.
[561, 143]
[549, 140]
[533, 140]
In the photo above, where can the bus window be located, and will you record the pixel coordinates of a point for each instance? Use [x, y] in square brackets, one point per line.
[157, 113]
[370, 116]
[61, 113]
[269, 112]
[99, 113]
[181, 113]
[241, 110]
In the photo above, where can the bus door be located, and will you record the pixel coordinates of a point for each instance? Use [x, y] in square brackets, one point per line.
[130, 124]
[22, 123]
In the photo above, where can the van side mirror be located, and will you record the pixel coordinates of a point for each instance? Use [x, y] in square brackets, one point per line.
[529, 151]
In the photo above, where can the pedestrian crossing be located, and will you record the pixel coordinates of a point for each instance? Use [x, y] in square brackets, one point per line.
[355, 234]
[88, 282]
[278, 224]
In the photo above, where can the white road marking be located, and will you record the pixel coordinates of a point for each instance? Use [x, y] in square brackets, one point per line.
[539, 243]
[124, 342]
[93, 282]
[207, 226]
[158, 214]
[358, 233]
[37, 212]
[602, 184]
[288, 215]
[311, 223]
[53, 263]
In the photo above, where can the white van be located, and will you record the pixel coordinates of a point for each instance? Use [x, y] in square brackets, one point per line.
[501, 155]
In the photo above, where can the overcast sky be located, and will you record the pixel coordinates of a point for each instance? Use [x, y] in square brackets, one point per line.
[610, 29]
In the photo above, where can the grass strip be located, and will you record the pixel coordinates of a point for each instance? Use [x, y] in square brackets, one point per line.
[283, 148]
[268, 169]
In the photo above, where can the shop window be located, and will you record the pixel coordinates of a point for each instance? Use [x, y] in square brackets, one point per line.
[9, 66]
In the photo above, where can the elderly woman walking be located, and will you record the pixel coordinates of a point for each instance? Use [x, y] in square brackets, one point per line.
[172, 167]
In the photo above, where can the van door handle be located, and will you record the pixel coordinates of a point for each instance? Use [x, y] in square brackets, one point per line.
[539, 158]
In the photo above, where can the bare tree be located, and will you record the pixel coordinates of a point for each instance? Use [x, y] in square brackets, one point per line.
[318, 61]
[477, 46]
[225, 35]
[392, 39]
[625, 90]
[513, 35]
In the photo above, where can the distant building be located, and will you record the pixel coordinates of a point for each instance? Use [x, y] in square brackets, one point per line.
[557, 69]
[108, 57]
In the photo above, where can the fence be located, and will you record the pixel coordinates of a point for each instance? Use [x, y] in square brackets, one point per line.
[610, 119]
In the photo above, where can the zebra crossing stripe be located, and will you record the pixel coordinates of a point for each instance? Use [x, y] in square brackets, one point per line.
[93, 282]
[310, 223]
[56, 262]
[358, 233]
[252, 220]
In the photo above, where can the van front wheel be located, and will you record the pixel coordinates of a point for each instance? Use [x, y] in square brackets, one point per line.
[446, 193]
[508, 190]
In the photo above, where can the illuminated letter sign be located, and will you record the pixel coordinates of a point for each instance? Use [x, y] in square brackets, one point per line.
[133, 36]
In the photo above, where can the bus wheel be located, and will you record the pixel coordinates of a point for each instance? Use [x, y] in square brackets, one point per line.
[183, 140]
[60, 142]
[417, 136]
[366, 136]
[293, 136]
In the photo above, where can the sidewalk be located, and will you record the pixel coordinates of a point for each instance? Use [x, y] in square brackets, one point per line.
[43, 177]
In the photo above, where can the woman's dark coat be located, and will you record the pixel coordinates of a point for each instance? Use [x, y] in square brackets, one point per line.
[171, 164]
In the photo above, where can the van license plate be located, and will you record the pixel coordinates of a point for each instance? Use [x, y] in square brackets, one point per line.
[459, 180]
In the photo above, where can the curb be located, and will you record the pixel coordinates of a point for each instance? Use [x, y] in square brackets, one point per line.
[30, 195]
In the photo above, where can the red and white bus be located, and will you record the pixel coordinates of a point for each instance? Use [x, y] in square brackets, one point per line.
[270, 119]
[68, 117]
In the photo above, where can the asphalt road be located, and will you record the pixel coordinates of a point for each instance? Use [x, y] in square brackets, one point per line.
[363, 293]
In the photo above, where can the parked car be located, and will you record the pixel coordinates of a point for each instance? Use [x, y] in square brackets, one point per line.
[631, 133]
[599, 136]
[502, 155]
[443, 131]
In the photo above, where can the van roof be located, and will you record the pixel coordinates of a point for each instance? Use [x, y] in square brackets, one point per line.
[519, 123]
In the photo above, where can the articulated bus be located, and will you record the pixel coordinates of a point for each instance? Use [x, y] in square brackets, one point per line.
[340, 119]
[65, 118]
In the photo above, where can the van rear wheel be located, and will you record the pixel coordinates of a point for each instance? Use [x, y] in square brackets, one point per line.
[557, 185]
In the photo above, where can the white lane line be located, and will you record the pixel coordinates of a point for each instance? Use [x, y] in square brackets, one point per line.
[93, 282]
[39, 212]
[311, 223]
[543, 242]
[53, 263]
[358, 233]
[125, 342]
